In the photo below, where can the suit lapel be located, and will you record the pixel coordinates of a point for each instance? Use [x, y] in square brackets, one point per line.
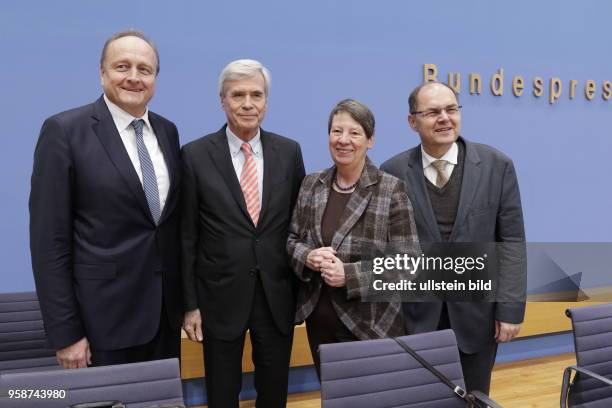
[417, 191]
[221, 157]
[270, 155]
[469, 183]
[164, 144]
[319, 200]
[356, 205]
[104, 127]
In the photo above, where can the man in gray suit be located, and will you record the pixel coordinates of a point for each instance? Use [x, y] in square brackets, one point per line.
[461, 192]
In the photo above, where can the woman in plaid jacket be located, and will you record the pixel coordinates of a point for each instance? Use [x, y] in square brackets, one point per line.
[341, 215]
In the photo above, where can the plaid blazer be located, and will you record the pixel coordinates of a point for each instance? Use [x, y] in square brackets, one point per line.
[378, 212]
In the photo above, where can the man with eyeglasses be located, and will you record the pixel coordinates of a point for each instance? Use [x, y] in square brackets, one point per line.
[461, 192]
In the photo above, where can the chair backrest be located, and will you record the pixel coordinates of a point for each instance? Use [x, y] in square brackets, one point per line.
[137, 385]
[23, 344]
[593, 343]
[379, 373]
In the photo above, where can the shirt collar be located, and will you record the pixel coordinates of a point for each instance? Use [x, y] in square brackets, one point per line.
[123, 119]
[235, 143]
[450, 156]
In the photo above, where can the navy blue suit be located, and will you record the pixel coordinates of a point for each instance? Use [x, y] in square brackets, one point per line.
[101, 265]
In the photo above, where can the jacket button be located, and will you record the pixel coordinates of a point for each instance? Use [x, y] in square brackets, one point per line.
[253, 272]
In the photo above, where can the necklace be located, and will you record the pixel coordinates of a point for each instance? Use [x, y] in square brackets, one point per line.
[339, 187]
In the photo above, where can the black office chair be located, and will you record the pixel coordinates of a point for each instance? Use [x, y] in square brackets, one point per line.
[23, 343]
[138, 385]
[381, 374]
[591, 385]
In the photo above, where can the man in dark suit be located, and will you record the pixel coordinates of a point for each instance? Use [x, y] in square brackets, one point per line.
[461, 192]
[104, 219]
[239, 188]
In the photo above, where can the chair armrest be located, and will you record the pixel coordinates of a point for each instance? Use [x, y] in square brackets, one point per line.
[590, 374]
[566, 378]
[481, 399]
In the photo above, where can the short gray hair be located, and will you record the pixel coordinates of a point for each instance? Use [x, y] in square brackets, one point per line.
[358, 111]
[412, 99]
[129, 33]
[243, 68]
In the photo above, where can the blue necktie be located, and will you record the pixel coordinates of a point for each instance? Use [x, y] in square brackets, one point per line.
[149, 180]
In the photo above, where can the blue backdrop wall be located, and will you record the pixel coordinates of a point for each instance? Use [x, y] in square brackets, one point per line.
[320, 52]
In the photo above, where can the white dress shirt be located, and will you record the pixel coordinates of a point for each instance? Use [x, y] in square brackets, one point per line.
[450, 161]
[235, 144]
[122, 121]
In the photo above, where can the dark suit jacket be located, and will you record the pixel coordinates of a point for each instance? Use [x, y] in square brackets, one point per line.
[223, 252]
[99, 261]
[377, 213]
[489, 211]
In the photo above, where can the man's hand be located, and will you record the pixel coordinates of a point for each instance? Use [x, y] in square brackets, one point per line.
[317, 256]
[192, 324]
[505, 331]
[76, 355]
[332, 272]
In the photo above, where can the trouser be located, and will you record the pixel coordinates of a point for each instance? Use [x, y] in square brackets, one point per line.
[477, 367]
[271, 356]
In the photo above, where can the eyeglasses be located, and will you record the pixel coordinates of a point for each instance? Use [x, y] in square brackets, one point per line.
[436, 113]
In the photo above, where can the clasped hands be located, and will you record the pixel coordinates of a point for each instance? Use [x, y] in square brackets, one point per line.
[325, 261]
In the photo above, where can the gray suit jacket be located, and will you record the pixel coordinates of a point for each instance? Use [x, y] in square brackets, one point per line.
[489, 211]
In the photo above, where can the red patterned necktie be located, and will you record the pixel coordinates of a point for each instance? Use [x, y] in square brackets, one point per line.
[248, 183]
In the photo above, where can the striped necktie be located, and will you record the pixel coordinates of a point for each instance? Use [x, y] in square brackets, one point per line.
[248, 183]
[149, 180]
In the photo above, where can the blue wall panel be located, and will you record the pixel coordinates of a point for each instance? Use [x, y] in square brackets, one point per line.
[320, 52]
